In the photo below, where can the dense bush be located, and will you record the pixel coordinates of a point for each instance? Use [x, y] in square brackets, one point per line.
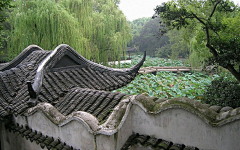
[223, 91]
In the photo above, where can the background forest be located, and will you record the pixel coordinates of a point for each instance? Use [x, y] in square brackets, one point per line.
[151, 36]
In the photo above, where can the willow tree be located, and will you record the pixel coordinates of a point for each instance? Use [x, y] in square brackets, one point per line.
[97, 29]
[4, 8]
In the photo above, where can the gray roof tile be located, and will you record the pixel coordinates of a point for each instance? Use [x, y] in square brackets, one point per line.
[80, 87]
[154, 143]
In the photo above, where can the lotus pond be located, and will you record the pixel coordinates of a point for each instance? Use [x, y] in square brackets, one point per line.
[167, 84]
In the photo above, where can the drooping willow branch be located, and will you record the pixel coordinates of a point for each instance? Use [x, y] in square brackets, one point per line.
[89, 26]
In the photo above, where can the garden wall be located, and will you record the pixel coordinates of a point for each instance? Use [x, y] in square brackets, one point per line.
[180, 120]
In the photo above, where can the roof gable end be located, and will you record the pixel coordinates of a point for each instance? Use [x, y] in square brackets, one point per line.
[66, 61]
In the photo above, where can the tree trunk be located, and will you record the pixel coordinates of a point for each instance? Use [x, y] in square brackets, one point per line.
[229, 67]
[234, 72]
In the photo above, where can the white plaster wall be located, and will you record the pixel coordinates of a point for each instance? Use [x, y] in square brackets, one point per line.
[76, 135]
[183, 127]
[175, 125]
[117, 140]
[73, 133]
[125, 132]
[38, 121]
[105, 142]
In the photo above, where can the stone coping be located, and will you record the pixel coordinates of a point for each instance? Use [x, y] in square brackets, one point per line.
[212, 115]
[92, 124]
[150, 105]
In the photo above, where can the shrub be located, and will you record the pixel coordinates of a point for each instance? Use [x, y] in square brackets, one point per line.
[223, 91]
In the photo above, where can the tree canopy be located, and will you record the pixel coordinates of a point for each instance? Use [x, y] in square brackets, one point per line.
[4, 5]
[146, 35]
[97, 29]
[4, 8]
[214, 24]
[176, 47]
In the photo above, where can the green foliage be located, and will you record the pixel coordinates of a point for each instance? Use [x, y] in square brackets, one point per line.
[97, 29]
[5, 5]
[199, 53]
[214, 26]
[148, 38]
[161, 62]
[167, 84]
[176, 47]
[220, 90]
[137, 25]
[153, 61]
[164, 52]
[228, 44]
[223, 91]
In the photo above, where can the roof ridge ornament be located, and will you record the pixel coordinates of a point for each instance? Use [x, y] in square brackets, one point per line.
[35, 88]
[32, 94]
[137, 66]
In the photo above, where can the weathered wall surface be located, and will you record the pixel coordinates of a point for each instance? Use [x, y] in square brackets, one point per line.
[181, 121]
[187, 122]
[79, 130]
[181, 126]
[73, 133]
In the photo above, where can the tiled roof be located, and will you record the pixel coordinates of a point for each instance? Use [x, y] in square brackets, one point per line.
[97, 103]
[13, 87]
[154, 143]
[58, 77]
[58, 83]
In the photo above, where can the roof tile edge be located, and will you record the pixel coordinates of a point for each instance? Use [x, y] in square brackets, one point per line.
[28, 50]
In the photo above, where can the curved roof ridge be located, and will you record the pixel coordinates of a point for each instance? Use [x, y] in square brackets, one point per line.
[62, 50]
[59, 50]
[28, 50]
